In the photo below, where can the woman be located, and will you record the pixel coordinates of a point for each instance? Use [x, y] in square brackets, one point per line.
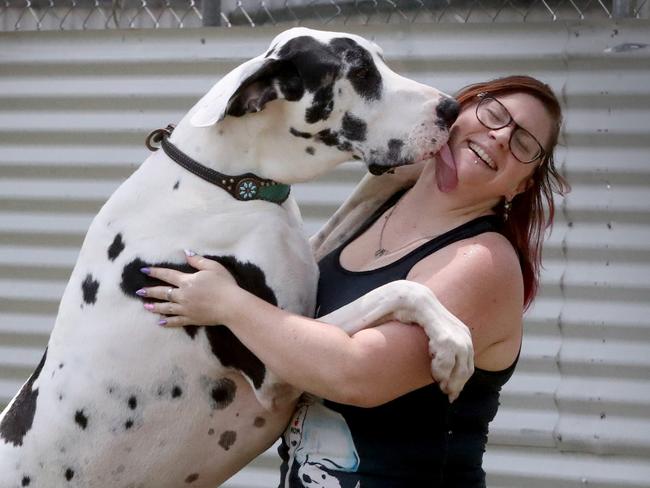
[471, 229]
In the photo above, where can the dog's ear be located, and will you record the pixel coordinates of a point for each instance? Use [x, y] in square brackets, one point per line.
[275, 79]
[247, 89]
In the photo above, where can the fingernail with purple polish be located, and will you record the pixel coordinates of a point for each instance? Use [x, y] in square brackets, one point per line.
[189, 252]
[162, 322]
[145, 270]
[141, 292]
[148, 306]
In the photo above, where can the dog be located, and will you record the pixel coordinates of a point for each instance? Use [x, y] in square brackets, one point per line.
[116, 400]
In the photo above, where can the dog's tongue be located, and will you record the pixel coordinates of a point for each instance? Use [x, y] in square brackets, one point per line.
[446, 176]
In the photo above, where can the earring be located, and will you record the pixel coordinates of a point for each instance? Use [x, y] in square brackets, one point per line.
[507, 206]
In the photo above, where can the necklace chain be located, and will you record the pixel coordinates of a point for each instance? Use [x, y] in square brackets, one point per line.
[381, 250]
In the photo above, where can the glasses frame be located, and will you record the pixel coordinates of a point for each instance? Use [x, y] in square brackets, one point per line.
[484, 97]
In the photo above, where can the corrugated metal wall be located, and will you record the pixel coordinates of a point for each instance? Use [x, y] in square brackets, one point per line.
[75, 108]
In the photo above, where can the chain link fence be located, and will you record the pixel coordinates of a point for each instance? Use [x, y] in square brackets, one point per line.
[29, 15]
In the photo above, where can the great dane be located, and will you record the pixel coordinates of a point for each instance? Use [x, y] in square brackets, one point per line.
[117, 401]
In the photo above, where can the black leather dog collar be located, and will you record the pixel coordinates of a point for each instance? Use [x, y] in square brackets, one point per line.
[244, 187]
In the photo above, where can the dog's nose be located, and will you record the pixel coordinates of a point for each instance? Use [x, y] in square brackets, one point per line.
[447, 111]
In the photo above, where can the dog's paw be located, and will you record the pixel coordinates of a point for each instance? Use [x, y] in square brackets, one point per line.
[452, 359]
[277, 395]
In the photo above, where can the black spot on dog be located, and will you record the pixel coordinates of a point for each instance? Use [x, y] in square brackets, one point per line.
[26, 481]
[225, 346]
[60, 365]
[290, 85]
[176, 391]
[81, 419]
[20, 416]
[116, 247]
[192, 478]
[210, 431]
[89, 288]
[222, 392]
[321, 106]
[328, 137]
[69, 474]
[191, 330]
[232, 353]
[176, 185]
[259, 422]
[133, 402]
[447, 112]
[380, 162]
[362, 71]
[395, 149]
[316, 62]
[310, 150]
[297, 133]
[333, 138]
[128, 424]
[133, 279]
[227, 439]
[318, 67]
[353, 128]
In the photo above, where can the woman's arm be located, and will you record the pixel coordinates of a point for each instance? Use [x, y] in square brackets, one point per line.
[366, 369]
[375, 365]
[369, 368]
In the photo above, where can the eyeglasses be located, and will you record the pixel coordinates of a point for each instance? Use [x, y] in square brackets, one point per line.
[492, 114]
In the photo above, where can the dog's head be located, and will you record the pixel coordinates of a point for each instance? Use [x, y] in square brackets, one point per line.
[331, 97]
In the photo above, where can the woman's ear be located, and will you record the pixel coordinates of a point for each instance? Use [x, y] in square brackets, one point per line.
[523, 186]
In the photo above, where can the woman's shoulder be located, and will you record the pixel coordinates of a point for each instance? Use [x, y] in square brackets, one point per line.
[479, 275]
[489, 253]
[493, 248]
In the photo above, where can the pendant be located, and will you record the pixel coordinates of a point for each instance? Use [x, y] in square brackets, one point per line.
[380, 252]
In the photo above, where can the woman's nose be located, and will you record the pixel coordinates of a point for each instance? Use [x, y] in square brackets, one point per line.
[447, 110]
[502, 135]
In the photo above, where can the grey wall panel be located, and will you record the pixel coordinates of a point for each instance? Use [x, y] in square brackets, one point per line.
[75, 108]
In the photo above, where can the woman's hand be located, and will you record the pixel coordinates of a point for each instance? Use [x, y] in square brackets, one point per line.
[200, 298]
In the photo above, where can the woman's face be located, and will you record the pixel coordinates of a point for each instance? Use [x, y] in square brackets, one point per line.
[483, 158]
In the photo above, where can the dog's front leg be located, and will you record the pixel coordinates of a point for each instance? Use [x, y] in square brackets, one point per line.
[450, 341]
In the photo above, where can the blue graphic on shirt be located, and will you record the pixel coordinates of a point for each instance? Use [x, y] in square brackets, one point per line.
[321, 450]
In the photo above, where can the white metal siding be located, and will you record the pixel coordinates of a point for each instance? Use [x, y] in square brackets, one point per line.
[75, 108]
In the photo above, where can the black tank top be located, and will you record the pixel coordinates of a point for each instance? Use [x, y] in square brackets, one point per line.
[418, 439]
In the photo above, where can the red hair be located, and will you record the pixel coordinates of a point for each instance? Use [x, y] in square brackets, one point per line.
[527, 219]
